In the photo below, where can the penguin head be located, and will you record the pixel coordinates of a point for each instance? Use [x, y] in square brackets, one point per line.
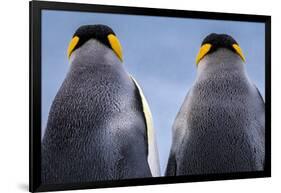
[101, 33]
[214, 42]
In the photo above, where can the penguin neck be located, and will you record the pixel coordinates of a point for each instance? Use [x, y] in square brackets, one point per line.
[219, 63]
[94, 54]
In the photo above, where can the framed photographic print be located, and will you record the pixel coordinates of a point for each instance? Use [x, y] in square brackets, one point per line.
[125, 96]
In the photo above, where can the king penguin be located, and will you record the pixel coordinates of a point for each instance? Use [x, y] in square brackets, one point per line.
[221, 124]
[99, 125]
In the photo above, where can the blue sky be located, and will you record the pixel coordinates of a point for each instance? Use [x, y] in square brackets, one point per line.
[158, 51]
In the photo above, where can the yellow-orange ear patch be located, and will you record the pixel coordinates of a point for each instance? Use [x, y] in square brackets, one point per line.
[115, 45]
[72, 45]
[239, 51]
[202, 52]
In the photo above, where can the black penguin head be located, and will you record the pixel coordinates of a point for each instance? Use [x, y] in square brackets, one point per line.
[215, 41]
[101, 33]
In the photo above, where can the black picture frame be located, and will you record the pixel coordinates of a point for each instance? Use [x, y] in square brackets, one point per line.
[35, 92]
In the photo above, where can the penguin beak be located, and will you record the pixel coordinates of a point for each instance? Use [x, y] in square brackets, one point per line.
[72, 45]
[202, 52]
[115, 45]
[239, 51]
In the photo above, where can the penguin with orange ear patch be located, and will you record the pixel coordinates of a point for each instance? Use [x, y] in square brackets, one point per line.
[220, 126]
[99, 126]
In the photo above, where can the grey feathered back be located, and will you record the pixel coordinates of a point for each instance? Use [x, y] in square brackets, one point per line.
[96, 129]
[220, 126]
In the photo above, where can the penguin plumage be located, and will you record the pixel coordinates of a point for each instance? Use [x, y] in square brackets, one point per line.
[97, 127]
[220, 126]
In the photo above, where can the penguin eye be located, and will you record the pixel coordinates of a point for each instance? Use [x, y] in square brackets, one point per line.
[72, 45]
[203, 51]
[115, 45]
[239, 51]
